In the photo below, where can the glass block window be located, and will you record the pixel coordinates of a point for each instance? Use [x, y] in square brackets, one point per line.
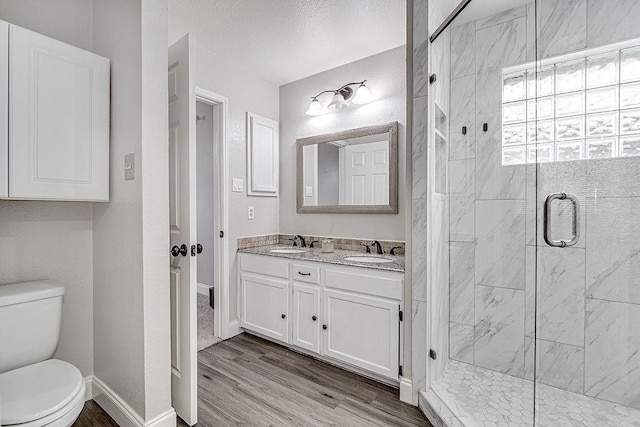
[580, 106]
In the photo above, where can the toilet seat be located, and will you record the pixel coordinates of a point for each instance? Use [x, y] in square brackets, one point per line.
[49, 393]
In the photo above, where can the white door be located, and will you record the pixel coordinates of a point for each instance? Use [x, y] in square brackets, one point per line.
[306, 316]
[367, 174]
[363, 331]
[265, 306]
[4, 109]
[182, 223]
[59, 120]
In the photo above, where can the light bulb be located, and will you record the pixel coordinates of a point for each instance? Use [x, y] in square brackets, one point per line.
[338, 102]
[363, 95]
[315, 108]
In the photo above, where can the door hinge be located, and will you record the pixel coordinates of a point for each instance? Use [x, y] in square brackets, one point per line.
[433, 354]
[400, 370]
[221, 234]
[401, 316]
[211, 298]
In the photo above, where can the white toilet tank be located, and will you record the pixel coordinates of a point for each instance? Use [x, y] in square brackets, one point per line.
[30, 315]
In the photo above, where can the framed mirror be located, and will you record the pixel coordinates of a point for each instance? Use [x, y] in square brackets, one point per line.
[354, 171]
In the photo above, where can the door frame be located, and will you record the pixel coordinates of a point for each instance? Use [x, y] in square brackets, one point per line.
[220, 166]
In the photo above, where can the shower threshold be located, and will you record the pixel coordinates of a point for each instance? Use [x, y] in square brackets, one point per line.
[470, 396]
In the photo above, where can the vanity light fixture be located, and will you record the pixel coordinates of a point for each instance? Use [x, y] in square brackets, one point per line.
[340, 97]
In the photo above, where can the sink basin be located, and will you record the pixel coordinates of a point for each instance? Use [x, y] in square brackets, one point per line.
[287, 251]
[370, 259]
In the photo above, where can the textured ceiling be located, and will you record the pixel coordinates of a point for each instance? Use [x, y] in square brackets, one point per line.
[286, 40]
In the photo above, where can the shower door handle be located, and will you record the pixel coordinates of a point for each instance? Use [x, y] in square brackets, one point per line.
[575, 224]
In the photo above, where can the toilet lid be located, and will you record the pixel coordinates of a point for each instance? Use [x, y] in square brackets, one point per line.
[37, 390]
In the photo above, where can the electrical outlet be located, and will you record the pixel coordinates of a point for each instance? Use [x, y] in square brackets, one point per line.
[251, 212]
[308, 192]
[237, 185]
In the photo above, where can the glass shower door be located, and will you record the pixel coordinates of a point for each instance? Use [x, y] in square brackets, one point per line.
[583, 245]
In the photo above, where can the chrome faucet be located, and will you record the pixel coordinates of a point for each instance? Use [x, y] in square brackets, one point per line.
[378, 247]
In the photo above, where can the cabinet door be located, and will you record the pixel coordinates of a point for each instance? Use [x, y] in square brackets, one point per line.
[59, 120]
[363, 331]
[265, 306]
[262, 156]
[306, 316]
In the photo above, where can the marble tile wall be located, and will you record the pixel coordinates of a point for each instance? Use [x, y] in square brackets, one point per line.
[588, 296]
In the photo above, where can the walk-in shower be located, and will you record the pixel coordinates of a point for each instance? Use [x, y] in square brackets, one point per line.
[534, 282]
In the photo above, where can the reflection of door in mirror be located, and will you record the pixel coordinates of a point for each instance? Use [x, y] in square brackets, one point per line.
[353, 171]
[366, 174]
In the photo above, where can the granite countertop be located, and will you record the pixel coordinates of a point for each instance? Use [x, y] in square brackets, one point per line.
[337, 257]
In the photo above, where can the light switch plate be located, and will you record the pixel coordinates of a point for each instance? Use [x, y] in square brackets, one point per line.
[129, 166]
[251, 212]
[237, 185]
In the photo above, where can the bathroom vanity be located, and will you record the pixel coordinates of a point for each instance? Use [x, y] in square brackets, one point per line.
[347, 312]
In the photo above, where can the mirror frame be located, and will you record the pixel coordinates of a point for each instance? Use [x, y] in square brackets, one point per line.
[391, 129]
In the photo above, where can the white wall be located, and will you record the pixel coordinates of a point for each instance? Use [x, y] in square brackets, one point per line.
[246, 92]
[131, 232]
[204, 192]
[54, 239]
[386, 77]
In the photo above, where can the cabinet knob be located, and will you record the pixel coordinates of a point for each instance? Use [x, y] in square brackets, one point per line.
[284, 316]
[324, 327]
[314, 318]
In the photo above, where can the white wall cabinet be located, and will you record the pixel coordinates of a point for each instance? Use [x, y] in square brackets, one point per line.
[55, 120]
[343, 314]
[262, 156]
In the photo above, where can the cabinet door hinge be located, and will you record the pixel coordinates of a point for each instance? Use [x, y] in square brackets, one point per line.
[400, 370]
[401, 316]
[433, 354]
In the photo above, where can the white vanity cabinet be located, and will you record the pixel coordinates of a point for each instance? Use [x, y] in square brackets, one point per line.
[54, 119]
[265, 297]
[305, 316]
[346, 315]
[361, 314]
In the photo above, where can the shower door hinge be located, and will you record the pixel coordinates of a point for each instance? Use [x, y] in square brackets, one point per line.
[433, 354]
[211, 298]
[401, 315]
[400, 370]
[432, 78]
[221, 234]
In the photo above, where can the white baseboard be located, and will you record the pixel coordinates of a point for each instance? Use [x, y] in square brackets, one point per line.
[88, 387]
[123, 414]
[406, 392]
[203, 289]
[234, 328]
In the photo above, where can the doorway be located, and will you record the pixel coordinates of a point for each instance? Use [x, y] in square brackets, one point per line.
[212, 275]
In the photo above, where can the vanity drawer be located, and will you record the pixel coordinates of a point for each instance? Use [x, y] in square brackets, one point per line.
[305, 273]
[265, 265]
[372, 282]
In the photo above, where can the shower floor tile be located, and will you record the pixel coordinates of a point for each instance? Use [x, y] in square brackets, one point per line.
[480, 397]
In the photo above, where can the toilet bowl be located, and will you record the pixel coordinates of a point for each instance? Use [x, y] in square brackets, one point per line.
[35, 391]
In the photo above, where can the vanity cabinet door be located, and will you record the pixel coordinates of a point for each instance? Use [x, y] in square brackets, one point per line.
[58, 120]
[306, 317]
[265, 306]
[361, 330]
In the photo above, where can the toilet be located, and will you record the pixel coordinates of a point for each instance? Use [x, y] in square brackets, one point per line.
[35, 390]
